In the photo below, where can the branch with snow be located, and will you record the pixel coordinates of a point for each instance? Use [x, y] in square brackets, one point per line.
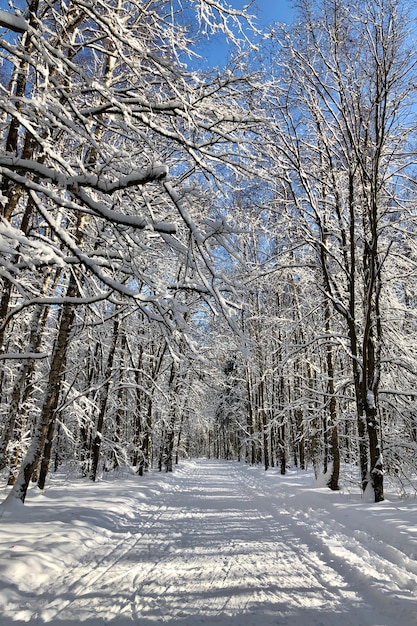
[23, 355]
[32, 253]
[13, 22]
[135, 178]
[75, 185]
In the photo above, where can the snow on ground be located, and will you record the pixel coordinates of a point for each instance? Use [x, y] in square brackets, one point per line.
[214, 543]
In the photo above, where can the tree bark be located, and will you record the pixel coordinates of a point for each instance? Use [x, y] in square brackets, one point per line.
[97, 440]
[46, 421]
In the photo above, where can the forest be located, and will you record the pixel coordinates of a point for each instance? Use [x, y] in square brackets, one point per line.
[203, 261]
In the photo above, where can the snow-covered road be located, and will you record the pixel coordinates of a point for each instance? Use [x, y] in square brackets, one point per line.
[215, 543]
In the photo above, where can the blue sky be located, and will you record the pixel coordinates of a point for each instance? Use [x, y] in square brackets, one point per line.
[272, 10]
[268, 12]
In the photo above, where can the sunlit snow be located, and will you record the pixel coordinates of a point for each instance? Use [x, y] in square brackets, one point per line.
[214, 543]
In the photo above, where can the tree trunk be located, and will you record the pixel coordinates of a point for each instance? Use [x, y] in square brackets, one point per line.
[46, 419]
[96, 446]
[333, 481]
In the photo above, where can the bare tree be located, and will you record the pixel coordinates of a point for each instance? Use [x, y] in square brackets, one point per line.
[341, 102]
[112, 151]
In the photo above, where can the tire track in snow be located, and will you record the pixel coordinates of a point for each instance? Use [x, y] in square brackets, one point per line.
[196, 571]
[224, 548]
[167, 588]
[254, 569]
[382, 582]
[311, 572]
[103, 570]
[384, 586]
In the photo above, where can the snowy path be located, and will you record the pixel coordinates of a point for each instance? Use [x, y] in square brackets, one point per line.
[216, 544]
